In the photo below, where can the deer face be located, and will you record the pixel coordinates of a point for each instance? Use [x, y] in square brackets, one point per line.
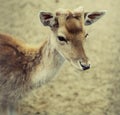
[69, 33]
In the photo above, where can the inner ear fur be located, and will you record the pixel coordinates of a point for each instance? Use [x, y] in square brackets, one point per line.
[91, 17]
[48, 19]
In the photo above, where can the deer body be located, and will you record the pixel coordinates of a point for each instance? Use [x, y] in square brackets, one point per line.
[24, 67]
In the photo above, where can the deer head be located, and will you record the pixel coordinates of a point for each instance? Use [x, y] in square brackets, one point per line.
[69, 33]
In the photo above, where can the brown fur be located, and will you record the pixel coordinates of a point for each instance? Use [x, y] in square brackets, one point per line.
[16, 65]
[24, 67]
[73, 25]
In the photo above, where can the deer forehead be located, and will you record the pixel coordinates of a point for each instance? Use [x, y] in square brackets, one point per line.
[72, 20]
[74, 26]
[70, 28]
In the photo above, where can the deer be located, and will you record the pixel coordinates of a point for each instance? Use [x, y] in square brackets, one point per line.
[24, 67]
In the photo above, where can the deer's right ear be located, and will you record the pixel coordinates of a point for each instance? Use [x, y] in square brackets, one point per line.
[48, 19]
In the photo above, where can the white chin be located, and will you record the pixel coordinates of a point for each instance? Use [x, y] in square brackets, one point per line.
[76, 64]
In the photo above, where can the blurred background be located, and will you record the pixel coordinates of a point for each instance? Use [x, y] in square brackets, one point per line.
[72, 92]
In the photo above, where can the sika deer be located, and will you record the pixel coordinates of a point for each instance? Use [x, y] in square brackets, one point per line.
[23, 67]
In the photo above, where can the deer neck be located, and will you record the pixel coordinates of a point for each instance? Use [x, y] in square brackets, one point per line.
[51, 57]
[50, 63]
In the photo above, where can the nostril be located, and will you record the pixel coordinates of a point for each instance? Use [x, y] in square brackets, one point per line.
[85, 67]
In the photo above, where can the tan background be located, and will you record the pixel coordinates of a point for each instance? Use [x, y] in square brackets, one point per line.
[92, 92]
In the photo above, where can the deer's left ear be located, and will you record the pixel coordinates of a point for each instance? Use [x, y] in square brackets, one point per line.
[91, 17]
[48, 19]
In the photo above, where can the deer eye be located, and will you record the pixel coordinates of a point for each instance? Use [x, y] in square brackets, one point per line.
[61, 38]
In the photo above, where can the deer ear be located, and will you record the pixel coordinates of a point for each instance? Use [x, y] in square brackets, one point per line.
[48, 19]
[91, 17]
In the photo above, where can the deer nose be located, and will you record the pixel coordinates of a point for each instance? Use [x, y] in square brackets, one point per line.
[85, 66]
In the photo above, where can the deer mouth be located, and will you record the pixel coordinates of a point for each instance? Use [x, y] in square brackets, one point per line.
[80, 65]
